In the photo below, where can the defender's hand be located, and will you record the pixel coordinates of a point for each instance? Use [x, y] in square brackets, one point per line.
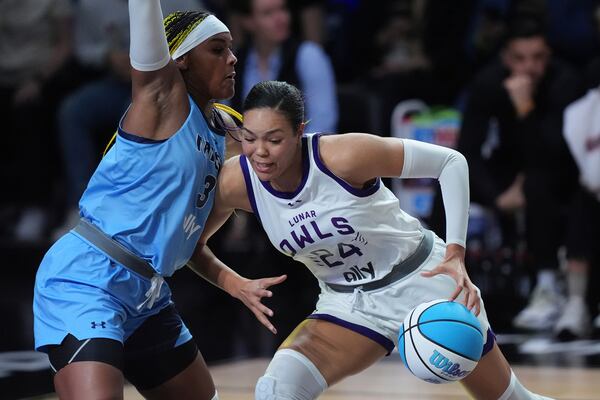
[251, 293]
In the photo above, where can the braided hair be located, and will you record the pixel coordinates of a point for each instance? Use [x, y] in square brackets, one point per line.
[179, 24]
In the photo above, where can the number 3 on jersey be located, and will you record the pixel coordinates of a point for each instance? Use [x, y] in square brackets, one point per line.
[209, 184]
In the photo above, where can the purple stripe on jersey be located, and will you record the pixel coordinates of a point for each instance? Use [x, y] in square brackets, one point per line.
[489, 344]
[249, 189]
[134, 138]
[362, 330]
[138, 139]
[305, 168]
[352, 190]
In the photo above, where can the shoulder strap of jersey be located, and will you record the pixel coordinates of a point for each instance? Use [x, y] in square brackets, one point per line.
[110, 143]
[238, 118]
[230, 111]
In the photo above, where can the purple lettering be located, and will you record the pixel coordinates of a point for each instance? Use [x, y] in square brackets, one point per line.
[303, 239]
[352, 249]
[369, 269]
[318, 231]
[342, 225]
[290, 250]
[323, 254]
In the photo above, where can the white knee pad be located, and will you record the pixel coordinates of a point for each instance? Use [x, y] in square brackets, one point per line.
[516, 391]
[290, 376]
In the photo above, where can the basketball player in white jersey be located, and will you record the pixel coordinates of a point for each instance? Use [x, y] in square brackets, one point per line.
[321, 201]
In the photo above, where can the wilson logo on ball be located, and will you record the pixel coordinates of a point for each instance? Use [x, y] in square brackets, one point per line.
[446, 366]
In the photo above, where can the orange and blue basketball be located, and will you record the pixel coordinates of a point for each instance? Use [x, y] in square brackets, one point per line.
[440, 341]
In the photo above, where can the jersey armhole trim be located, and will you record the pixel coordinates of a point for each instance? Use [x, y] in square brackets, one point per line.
[305, 172]
[142, 140]
[249, 188]
[349, 188]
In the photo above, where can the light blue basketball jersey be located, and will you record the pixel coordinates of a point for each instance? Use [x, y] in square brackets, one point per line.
[154, 196]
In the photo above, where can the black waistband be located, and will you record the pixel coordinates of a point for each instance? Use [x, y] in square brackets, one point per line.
[399, 271]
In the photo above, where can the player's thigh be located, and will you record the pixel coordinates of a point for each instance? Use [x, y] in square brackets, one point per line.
[89, 380]
[87, 369]
[194, 382]
[491, 376]
[163, 362]
[337, 352]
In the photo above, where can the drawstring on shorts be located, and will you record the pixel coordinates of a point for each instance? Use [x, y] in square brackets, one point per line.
[153, 293]
[359, 296]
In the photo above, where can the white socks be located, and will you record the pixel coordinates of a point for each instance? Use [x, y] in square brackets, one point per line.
[516, 391]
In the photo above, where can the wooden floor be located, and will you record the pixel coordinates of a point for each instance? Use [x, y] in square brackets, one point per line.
[390, 380]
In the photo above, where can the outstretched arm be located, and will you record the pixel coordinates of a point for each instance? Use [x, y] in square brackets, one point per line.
[159, 97]
[230, 195]
[358, 158]
[365, 157]
[451, 169]
[248, 291]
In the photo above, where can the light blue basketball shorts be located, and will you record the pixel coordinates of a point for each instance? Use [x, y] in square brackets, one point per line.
[81, 291]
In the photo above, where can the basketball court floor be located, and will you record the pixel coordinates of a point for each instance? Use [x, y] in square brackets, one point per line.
[389, 379]
[565, 371]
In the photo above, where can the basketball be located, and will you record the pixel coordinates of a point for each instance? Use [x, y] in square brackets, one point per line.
[440, 341]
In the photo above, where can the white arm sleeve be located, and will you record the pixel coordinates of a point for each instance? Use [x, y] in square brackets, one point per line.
[424, 160]
[148, 50]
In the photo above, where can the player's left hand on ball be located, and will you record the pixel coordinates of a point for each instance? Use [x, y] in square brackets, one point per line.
[455, 267]
[251, 293]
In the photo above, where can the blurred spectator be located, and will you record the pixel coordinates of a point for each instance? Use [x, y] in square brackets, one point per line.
[345, 26]
[419, 51]
[582, 133]
[511, 135]
[307, 20]
[581, 128]
[35, 50]
[88, 117]
[363, 36]
[399, 42]
[487, 31]
[572, 31]
[445, 29]
[311, 20]
[272, 53]
[593, 69]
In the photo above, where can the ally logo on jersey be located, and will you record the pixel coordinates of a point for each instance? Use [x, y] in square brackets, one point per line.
[190, 226]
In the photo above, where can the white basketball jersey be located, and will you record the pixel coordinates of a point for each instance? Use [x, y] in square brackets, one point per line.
[344, 235]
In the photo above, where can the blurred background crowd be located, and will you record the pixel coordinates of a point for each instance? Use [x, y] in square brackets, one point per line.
[512, 84]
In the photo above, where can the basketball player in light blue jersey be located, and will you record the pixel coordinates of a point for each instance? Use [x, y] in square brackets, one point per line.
[102, 310]
[321, 201]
